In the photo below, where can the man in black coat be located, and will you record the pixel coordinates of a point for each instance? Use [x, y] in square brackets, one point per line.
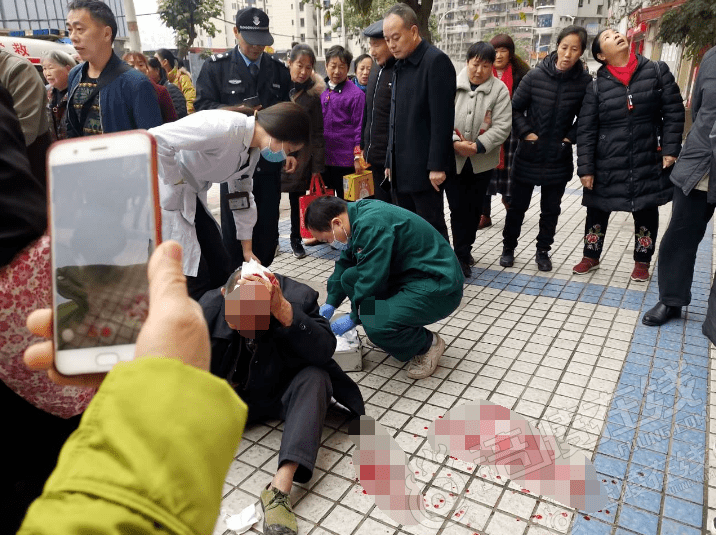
[231, 79]
[694, 176]
[422, 114]
[376, 115]
[271, 344]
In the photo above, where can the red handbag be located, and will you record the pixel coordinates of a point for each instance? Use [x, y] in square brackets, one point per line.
[317, 189]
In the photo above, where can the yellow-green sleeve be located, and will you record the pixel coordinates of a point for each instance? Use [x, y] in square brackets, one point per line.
[150, 455]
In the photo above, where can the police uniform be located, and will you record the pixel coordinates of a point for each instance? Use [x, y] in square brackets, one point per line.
[225, 80]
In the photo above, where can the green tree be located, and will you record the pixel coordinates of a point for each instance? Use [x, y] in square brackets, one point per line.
[692, 23]
[357, 14]
[187, 17]
[522, 46]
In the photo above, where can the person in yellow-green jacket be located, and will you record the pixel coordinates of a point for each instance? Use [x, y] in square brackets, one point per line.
[399, 273]
[156, 442]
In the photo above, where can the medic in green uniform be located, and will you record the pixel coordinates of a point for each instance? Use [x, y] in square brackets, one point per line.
[399, 273]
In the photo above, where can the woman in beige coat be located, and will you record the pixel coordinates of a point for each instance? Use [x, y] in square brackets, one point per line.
[483, 120]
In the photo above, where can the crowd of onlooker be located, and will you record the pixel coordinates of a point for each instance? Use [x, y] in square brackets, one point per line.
[259, 126]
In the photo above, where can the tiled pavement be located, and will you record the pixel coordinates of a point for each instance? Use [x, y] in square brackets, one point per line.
[567, 352]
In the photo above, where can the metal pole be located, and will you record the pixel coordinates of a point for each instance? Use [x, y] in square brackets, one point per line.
[132, 28]
[343, 28]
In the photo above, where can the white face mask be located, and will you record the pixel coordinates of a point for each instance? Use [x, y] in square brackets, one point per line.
[339, 244]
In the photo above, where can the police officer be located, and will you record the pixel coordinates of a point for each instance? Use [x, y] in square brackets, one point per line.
[248, 76]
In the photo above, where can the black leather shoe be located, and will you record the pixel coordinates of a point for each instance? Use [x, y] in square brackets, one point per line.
[471, 261]
[465, 269]
[297, 248]
[508, 257]
[543, 261]
[660, 314]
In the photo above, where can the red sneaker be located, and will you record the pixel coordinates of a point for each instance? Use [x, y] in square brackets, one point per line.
[641, 272]
[585, 266]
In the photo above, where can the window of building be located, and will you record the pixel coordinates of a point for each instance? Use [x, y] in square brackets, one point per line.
[544, 21]
[303, 37]
[599, 9]
[300, 6]
[581, 3]
[303, 23]
[327, 37]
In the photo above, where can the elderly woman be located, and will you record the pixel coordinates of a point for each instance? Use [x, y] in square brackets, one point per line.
[362, 66]
[483, 120]
[343, 105]
[56, 65]
[630, 131]
[551, 94]
[159, 76]
[510, 69]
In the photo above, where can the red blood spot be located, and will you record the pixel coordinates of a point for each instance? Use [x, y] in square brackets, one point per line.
[525, 490]
[517, 519]
[564, 514]
[424, 427]
[449, 475]
[469, 468]
[417, 472]
[106, 331]
[599, 511]
[364, 492]
[483, 475]
[606, 511]
[586, 517]
[538, 517]
[439, 416]
[499, 477]
[436, 506]
[468, 490]
[614, 482]
[441, 501]
[604, 480]
[92, 331]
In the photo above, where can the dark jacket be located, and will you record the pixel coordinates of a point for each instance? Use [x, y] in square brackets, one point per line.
[699, 153]
[178, 98]
[57, 106]
[623, 149]
[128, 102]
[376, 116]
[280, 352]
[225, 80]
[311, 158]
[547, 103]
[23, 208]
[420, 131]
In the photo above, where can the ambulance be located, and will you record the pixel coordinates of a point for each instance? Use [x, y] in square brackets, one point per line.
[33, 48]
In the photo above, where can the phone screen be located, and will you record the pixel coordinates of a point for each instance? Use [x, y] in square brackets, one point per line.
[103, 235]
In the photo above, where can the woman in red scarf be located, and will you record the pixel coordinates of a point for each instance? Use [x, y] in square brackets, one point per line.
[509, 68]
[629, 135]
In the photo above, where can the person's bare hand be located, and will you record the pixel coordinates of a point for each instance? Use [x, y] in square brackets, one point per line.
[291, 164]
[175, 327]
[248, 257]
[531, 137]
[668, 161]
[387, 173]
[280, 308]
[464, 148]
[587, 181]
[437, 178]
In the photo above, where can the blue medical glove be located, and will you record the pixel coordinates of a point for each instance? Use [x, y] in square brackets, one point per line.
[342, 325]
[327, 311]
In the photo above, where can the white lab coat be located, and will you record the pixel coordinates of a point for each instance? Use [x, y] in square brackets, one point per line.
[203, 148]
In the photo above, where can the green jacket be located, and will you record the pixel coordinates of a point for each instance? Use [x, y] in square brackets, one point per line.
[149, 456]
[392, 247]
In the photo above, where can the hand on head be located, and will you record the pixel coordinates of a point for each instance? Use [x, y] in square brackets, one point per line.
[175, 327]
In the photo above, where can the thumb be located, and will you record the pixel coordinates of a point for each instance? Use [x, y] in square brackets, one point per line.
[166, 277]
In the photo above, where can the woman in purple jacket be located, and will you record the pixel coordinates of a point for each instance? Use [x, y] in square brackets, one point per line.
[343, 104]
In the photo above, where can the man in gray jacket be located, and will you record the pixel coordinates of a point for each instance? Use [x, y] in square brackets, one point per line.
[694, 176]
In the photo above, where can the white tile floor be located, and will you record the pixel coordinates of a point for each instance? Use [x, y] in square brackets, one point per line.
[553, 358]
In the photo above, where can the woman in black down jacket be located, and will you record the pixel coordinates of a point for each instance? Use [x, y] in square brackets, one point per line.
[544, 109]
[630, 131]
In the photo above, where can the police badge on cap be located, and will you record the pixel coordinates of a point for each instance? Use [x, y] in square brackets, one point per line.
[253, 25]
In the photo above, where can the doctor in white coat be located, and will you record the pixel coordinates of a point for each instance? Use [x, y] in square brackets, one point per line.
[215, 146]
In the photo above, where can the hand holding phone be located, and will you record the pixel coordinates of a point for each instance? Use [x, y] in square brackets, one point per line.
[252, 102]
[104, 224]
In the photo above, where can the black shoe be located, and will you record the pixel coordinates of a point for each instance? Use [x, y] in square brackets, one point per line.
[471, 261]
[660, 314]
[297, 248]
[466, 270]
[543, 261]
[508, 257]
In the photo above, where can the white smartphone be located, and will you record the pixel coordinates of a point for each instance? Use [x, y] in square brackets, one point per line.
[104, 218]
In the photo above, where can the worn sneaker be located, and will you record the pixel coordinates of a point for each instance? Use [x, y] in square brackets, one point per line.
[279, 518]
[544, 263]
[424, 365]
[297, 248]
[641, 272]
[585, 266]
[485, 222]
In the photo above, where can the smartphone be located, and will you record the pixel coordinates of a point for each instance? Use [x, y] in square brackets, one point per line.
[104, 217]
[252, 102]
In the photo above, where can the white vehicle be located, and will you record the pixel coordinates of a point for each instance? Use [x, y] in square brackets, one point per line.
[33, 49]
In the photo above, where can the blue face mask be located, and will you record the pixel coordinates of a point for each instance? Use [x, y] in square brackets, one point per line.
[339, 244]
[272, 156]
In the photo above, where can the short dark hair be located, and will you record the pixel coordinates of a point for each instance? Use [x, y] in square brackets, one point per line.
[320, 212]
[99, 11]
[154, 64]
[482, 51]
[167, 55]
[359, 59]
[597, 46]
[286, 121]
[302, 50]
[337, 51]
[502, 40]
[405, 12]
[574, 30]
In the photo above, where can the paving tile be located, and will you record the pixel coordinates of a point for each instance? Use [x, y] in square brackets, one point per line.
[639, 521]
